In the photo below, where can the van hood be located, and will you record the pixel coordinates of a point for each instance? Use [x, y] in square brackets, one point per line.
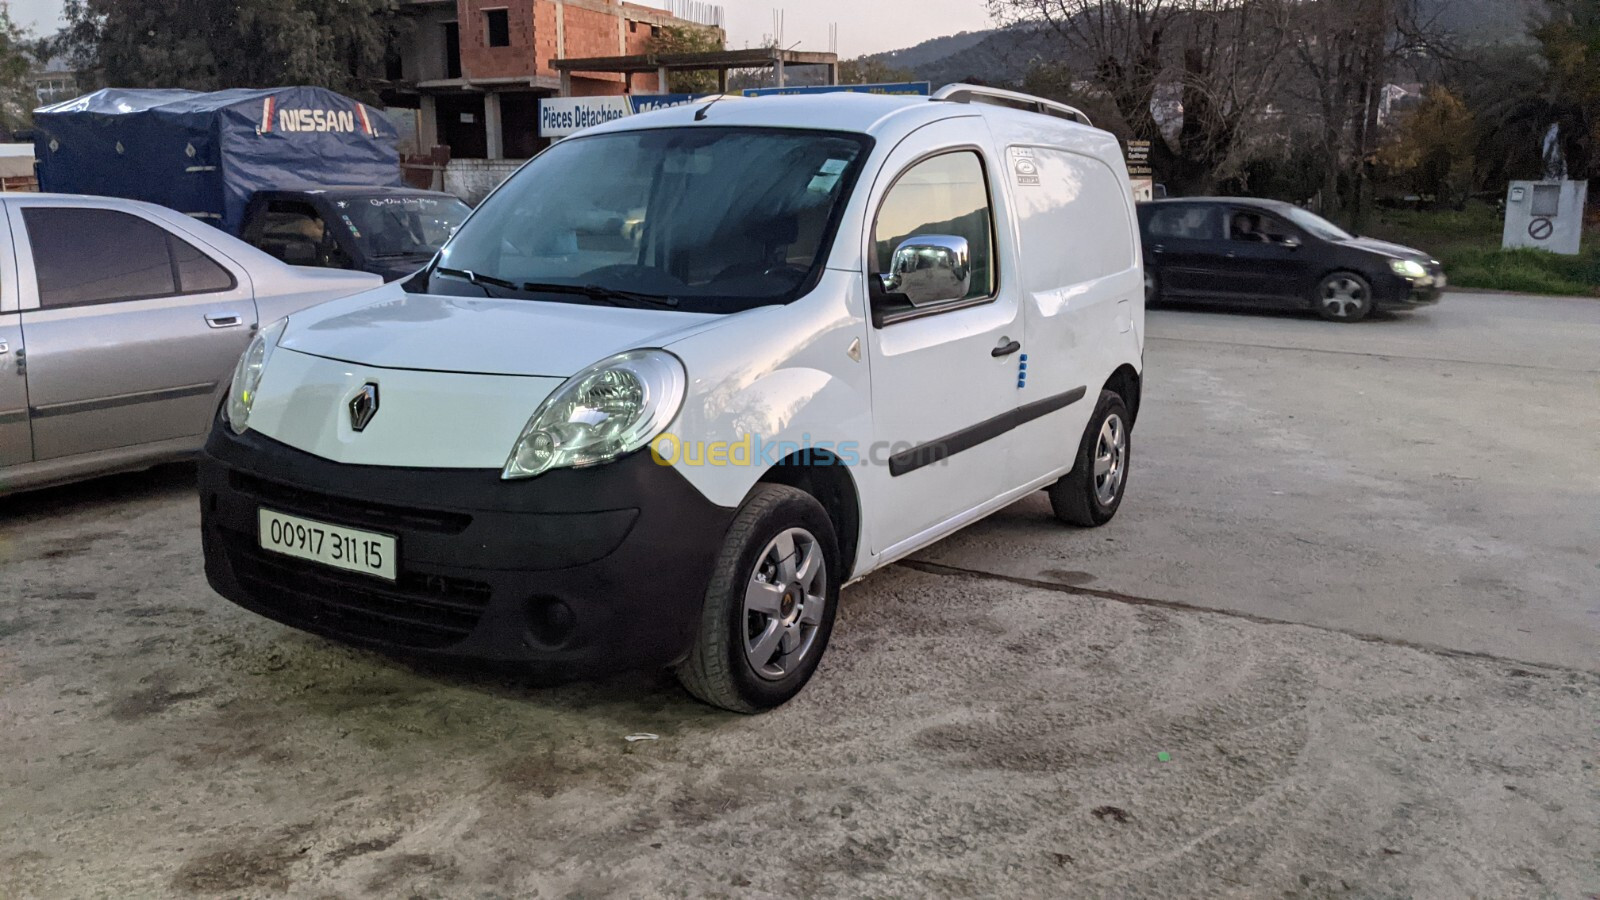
[392, 329]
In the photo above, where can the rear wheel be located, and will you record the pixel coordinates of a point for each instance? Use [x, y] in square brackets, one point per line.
[1090, 495]
[1344, 297]
[770, 606]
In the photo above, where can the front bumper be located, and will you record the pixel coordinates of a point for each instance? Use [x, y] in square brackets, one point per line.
[576, 572]
[1399, 292]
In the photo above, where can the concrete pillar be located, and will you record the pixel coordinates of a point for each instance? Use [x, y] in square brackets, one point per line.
[491, 126]
[561, 30]
[428, 124]
[663, 79]
[566, 83]
[722, 81]
[777, 69]
[833, 73]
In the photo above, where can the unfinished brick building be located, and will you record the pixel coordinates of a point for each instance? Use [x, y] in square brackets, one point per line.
[476, 68]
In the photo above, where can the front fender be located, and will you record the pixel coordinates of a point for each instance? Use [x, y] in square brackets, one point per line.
[764, 386]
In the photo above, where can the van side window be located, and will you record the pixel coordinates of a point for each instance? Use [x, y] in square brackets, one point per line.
[946, 194]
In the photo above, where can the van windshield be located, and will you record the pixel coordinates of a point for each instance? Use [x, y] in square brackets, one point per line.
[708, 219]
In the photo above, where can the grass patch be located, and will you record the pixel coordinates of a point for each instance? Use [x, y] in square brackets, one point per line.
[1468, 243]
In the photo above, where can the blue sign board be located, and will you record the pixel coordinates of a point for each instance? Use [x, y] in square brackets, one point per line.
[643, 103]
[905, 88]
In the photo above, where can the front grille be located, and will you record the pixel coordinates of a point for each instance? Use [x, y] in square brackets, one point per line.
[420, 610]
[380, 516]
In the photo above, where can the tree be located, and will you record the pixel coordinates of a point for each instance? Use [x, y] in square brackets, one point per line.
[1434, 147]
[1346, 52]
[673, 39]
[16, 60]
[1194, 77]
[1570, 42]
[203, 45]
[871, 70]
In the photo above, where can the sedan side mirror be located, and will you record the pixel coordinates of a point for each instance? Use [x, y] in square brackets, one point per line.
[930, 268]
[1293, 243]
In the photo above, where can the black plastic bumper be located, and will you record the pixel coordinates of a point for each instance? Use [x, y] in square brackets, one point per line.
[571, 573]
[1396, 292]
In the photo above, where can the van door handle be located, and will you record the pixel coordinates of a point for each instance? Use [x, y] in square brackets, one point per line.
[1005, 350]
[1158, 249]
[224, 321]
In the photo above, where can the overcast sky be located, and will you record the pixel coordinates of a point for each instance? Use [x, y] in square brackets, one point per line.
[865, 26]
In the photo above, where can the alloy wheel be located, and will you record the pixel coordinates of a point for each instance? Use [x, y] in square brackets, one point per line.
[784, 604]
[1110, 460]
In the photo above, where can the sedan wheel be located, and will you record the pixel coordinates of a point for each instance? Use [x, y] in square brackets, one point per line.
[1344, 297]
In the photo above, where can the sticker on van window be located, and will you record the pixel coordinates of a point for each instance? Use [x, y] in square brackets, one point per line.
[828, 176]
[1027, 171]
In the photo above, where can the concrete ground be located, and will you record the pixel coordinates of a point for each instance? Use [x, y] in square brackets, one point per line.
[1353, 598]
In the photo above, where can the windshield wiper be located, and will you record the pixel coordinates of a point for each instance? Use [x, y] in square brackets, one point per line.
[474, 278]
[599, 292]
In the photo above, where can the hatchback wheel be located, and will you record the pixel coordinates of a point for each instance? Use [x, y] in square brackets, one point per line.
[770, 606]
[1091, 493]
[1344, 297]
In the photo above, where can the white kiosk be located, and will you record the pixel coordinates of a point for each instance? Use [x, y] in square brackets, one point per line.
[1546, 215]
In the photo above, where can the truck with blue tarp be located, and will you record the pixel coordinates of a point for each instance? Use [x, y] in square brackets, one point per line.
[215, 156]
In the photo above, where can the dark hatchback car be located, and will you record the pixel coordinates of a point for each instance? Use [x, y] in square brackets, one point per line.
[387, 231]
[1263, 252]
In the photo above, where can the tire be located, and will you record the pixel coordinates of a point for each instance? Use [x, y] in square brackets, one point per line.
[749, 661]
[1343, 297]
[1090, 495]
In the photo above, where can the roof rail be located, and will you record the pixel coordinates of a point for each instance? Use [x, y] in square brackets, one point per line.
[971, 93]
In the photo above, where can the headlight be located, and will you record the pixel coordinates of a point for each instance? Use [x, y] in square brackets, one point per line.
[610, 409]
[247, 375]
[1408, 268]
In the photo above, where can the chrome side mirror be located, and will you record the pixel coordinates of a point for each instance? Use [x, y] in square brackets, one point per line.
[930, 268]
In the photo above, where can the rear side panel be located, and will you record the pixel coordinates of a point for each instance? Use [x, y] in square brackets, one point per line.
[1083, 281]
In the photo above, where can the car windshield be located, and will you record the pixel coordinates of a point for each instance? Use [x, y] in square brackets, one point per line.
[706, 219]
[389, 227]
[1316, 225]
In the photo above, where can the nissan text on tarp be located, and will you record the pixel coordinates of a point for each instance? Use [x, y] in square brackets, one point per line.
[206, 154]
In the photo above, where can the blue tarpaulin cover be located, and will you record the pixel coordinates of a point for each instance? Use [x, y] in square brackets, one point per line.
[206, 154]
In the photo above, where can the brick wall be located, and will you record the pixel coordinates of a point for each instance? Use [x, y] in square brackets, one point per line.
[478, 59]
[591, 28]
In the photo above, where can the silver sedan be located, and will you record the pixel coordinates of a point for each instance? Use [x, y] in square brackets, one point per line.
[120, 324]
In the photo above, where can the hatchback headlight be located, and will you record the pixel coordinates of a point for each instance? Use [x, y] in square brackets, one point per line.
[247, 375]
[1408, 268]
[608, 410]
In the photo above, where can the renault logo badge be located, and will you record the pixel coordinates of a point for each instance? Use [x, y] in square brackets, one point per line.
[363, 406]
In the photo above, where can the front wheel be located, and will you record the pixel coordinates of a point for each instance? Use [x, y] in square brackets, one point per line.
[1344, 297]
[770, 606]
[1091, 493]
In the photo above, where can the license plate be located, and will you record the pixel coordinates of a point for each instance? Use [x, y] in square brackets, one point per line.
[335, 546]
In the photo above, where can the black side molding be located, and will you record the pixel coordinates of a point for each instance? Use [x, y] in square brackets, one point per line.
[967, 438]
[83, 406]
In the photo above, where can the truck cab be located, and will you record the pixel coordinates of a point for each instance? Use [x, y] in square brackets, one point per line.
[387, 231]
